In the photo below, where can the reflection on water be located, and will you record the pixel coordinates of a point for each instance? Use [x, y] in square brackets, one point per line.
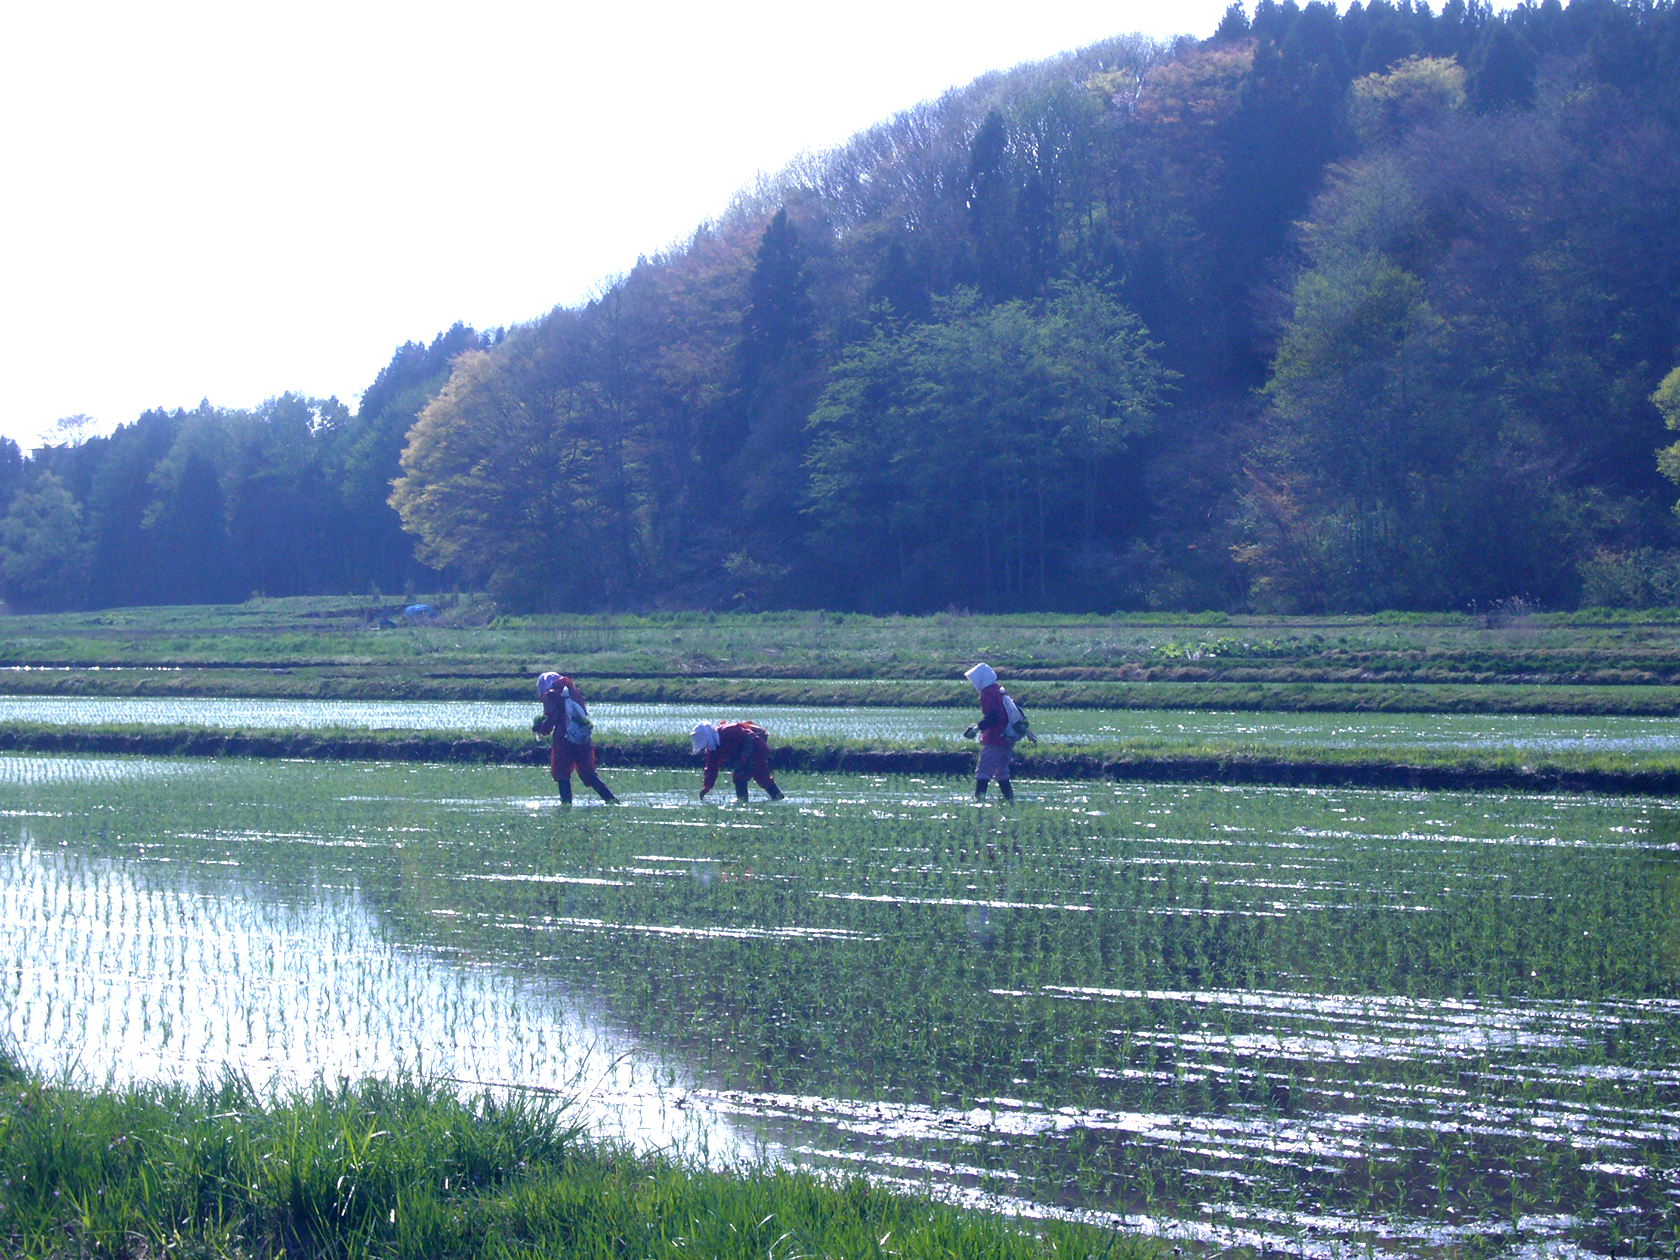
[420, 715]
[116, 972]
[1468, 732]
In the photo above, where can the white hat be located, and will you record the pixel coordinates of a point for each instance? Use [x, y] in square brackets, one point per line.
[545, 682]
[982, 676]
[705, 737]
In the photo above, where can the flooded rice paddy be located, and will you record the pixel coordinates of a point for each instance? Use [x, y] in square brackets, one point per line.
[1385, 731]
[1330, 1021]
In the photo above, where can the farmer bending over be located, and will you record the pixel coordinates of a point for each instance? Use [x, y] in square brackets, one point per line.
[744, 748]
[574, 736]
[1001, 724]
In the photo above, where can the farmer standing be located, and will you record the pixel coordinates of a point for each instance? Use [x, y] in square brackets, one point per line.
[744, 748]
[573, 746]
[1001, 724]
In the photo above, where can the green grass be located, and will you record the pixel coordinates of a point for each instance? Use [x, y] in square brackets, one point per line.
[408, 1168]
[352, 648]
[406, 681]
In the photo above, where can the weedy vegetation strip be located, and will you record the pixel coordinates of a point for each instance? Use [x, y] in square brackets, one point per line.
[406, 1167]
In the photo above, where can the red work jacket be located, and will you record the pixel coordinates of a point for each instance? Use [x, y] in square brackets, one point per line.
[740, 745]
[994, 718]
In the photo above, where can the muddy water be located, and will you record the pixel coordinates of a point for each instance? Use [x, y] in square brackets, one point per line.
[1315, 1020]
[1487, 733]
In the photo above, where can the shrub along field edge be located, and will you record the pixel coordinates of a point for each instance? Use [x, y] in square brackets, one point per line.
[409, 1168]
[1210, 764]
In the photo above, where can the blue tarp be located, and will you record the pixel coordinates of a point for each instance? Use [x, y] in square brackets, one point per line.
[419, 610]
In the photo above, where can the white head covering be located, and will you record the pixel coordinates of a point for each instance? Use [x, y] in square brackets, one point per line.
[705, 737]
[981, 676]
[545, 683]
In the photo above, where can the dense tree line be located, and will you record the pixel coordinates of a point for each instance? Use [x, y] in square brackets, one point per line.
[214, 505]
[1336, 309]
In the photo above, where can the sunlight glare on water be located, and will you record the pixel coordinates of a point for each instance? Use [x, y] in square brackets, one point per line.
[116, 972]
[926, 725]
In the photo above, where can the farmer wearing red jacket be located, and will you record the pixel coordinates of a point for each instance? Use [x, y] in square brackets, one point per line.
[1001, 724]
[573, 746]
[744, 748]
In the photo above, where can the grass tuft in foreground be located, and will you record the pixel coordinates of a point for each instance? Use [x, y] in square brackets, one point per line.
[408, 1168]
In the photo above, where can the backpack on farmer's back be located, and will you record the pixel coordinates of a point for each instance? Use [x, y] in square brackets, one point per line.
[1015, 726]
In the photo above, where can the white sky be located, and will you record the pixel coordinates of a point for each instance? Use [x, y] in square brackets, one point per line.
[230, 200]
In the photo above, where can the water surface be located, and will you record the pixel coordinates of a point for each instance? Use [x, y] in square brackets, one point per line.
[1388, 732]
[1407, 1021]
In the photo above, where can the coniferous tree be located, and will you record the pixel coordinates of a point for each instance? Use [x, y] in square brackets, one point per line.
[126, 565]
[990, 200]
[1501, 71]
[188, 523]
[776, 381]
[1233, 25]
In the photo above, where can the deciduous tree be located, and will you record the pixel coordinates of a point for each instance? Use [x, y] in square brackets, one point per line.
[44, 548]
[958, 460]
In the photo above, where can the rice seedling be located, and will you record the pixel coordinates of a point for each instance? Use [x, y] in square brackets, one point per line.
[1409, 1020]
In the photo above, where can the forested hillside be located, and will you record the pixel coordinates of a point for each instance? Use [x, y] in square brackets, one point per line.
[1335, 309]
[213, 505]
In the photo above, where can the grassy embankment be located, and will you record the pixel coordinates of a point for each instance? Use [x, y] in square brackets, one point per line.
[404, 1168]
[1579, 663]
[339, 647]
